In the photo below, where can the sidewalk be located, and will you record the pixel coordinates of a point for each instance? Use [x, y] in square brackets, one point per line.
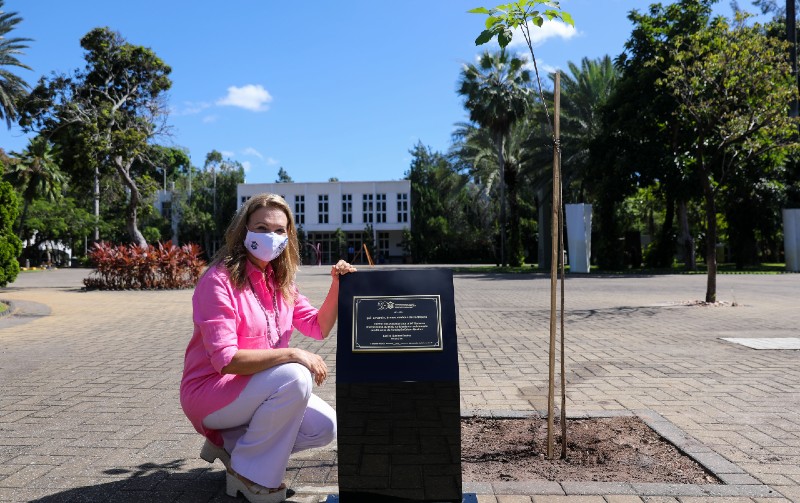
[89, 406]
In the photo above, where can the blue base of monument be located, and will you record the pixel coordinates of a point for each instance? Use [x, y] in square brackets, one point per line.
[466, 498]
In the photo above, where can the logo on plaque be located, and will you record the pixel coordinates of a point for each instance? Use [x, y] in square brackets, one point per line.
[405, 323]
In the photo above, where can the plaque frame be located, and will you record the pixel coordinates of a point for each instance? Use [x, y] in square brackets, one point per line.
[356, 347]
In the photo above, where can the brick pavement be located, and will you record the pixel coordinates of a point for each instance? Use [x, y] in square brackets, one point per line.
[89, 385]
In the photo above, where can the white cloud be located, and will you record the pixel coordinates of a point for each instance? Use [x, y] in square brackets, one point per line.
[271, 161]
[253, 152]
[247, 166]
[250, 97]
[540, 34]
[192, 108]
[548, 69]
[227, 154]
[545, 69]
[208, 119]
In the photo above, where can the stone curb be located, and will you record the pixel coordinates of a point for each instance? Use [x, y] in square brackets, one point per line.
[10, 310]
[736, 482]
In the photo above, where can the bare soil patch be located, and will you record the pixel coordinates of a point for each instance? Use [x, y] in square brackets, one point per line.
[618, 449]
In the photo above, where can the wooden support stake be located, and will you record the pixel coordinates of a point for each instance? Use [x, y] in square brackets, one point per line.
[554, 261]
[366, 251]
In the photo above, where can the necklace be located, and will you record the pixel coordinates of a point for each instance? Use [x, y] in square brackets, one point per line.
[264, 310]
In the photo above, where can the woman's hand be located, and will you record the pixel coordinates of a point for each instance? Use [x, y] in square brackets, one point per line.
[340, 269]
[329, 309]
[314, 363]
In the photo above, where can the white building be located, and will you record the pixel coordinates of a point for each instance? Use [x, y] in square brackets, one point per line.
[322, 208]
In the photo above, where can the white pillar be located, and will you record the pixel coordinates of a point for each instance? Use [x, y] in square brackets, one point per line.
[579, 236]
[791, 239]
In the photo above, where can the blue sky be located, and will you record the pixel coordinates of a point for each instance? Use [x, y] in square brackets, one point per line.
[329, 89]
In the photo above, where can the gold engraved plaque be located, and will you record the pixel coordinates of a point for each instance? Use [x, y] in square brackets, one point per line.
[401, 323]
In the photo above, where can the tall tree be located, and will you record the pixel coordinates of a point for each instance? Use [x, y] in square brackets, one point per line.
[526, 169]
[584, 92]
[496, 94]
[776, 7]
[638, 142]
[115, 107]
[733, 87]
[65, 223]
[283, 176]
[207, 211]
[36, 174]
[446, 213]
[12, 86]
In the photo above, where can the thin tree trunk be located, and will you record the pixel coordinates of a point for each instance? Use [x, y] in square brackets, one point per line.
[711, 238]
[23, 217]
[96, 204]
[123, 168]
[501, 163]
[667, 235]
[686, 239]
[515, 257]
[544, 242]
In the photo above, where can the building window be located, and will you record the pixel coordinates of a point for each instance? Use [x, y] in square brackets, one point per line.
[354, 240]
[380, 208]
[322, 208]
[347, 208]
[383, 247]
[367, 208]
[402, 208]
[299, 210]
[244, 199]
[327, 247]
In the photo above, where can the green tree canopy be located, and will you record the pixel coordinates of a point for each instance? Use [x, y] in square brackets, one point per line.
[637, 141]
[733, 87]
[283, 176]
[446, 223]
[106, 115]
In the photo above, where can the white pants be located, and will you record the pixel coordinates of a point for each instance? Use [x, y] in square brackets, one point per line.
[275, 415]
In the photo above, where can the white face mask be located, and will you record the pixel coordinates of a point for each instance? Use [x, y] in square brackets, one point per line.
[265, 245]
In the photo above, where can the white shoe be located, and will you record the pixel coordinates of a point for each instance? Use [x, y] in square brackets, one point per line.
[254, 493]
[211, 452]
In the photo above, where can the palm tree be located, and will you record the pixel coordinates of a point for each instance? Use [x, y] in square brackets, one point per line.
[496, 95]
[12, 87]
[583, 92]
[526, 163]
[36, 174]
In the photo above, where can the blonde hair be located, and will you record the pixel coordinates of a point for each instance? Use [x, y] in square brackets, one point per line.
[233, 254]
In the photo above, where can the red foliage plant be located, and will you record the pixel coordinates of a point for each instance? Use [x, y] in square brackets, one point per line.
[130, 267]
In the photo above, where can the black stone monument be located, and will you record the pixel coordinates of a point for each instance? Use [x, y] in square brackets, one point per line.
[397, 391]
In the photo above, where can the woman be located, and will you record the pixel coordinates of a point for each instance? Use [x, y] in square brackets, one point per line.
[243, 387]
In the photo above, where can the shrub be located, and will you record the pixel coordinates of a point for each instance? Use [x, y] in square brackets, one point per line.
[165, 266]
[10, 244]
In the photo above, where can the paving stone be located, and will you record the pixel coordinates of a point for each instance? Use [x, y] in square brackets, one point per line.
[579, 488]
[88, 383]
[618, 498]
